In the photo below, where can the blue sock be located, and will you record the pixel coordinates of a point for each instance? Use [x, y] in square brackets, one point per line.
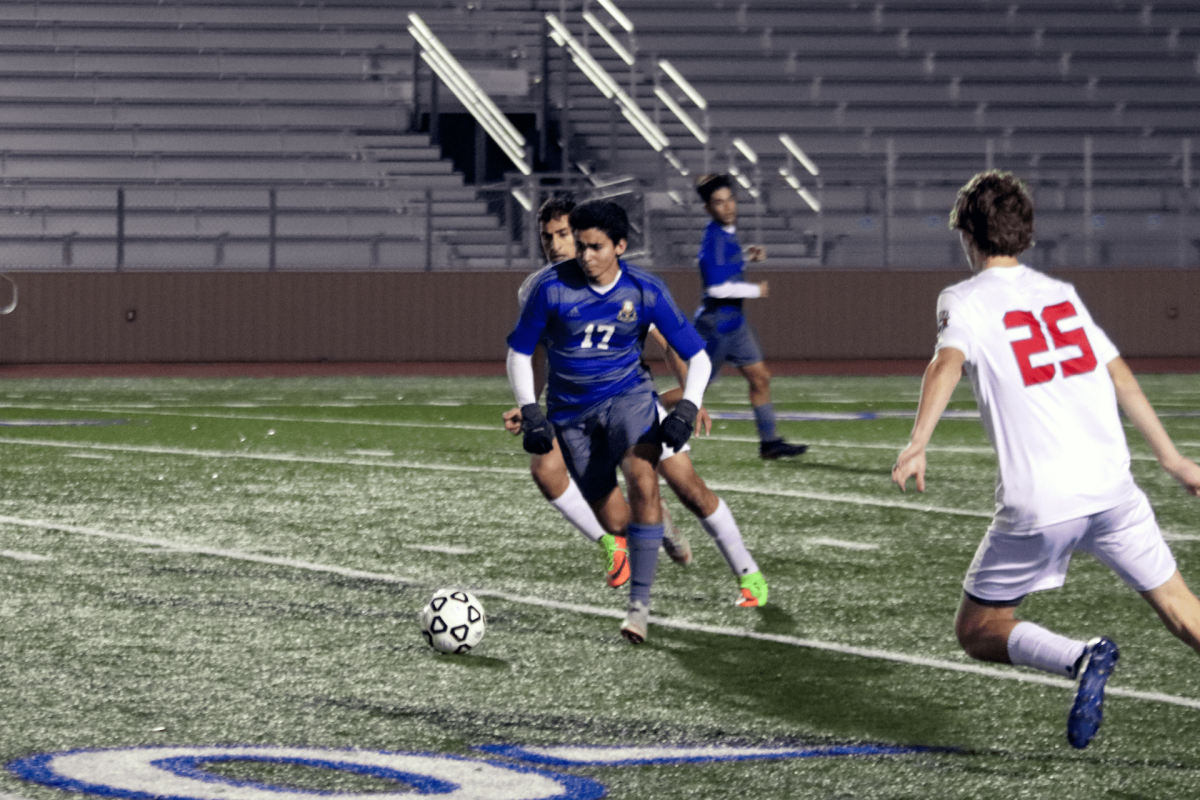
[764, 420]
[644, 541]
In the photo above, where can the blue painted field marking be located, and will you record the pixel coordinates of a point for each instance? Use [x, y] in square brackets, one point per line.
[176, 773]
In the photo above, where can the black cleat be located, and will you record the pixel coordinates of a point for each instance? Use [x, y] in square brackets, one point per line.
[778, 448]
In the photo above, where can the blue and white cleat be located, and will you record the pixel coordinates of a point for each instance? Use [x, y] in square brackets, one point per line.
[1094, 666]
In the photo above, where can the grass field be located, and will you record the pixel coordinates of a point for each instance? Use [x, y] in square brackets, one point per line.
[193, 563]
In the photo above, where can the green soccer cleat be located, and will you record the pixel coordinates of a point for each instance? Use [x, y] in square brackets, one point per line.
[754, 590]
[616, 559]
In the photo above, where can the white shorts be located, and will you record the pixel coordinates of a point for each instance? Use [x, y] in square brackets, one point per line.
[667, 452]
[1007, 566]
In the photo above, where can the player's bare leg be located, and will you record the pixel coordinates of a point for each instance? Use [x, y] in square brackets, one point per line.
[550, 475]
[993, 633]
[771, 445]
[644, 535]
[718, 522]
[759, 378]
[983, 631]
[1178, 608]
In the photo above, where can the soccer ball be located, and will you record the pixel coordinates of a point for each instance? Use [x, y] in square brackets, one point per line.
[453, 621]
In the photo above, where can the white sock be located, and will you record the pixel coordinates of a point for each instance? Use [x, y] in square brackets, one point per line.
[1031, 645]
[724, 530]
[577, 512]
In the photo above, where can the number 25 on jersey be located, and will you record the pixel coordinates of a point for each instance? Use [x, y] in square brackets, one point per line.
[1025, 349]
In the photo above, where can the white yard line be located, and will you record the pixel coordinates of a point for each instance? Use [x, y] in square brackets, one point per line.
[842, 543]
[16, 556]
[463, 426]
[675, 624]
[156, 412]
[183, 547]
[857, 500]
[288, 458]
[291, 458]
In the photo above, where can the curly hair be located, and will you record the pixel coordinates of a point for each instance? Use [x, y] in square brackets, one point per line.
[995, 209]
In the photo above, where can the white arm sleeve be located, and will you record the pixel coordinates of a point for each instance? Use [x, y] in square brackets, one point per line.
[699, 370]
[734, 289]
[520, 377]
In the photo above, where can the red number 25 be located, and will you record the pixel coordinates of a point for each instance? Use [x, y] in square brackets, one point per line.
[1023, 349]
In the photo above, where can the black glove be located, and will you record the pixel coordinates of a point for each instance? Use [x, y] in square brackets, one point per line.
[677, 427]
[539, 435]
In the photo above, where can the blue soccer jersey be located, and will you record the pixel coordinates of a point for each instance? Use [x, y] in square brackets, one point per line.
[594, 340]
[720, 260]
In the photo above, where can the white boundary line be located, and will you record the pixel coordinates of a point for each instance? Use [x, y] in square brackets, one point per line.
[675, 624]
[289, 458]
[466, 426]
[292, 458]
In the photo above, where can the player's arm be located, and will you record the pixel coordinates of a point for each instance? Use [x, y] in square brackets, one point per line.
[522, 344]
[674, 363]
[1139, 411]
[941, 376]
[512, 417]
[682, 337]
[679, 369]
[539, 435]
[685, 416]
[733, 290]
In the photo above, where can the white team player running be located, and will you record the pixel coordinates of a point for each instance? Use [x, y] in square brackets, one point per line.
[1048, 383]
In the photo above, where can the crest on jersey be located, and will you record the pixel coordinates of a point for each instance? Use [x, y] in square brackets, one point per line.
[943, 320]
[628, 312]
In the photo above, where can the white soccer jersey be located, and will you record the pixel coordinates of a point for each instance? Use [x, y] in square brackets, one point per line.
[1037, 362]
[526, 287]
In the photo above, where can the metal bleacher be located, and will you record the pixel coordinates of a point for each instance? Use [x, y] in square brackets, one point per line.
[241, 135]
[1094, 104]
[292, 134]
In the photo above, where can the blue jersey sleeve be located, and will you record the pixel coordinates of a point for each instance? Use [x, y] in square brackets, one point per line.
[532, 323]
[674, 325]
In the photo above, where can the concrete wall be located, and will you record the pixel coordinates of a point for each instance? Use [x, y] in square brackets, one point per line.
[74, 317]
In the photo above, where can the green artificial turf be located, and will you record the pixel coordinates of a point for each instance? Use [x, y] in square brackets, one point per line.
[231, 562]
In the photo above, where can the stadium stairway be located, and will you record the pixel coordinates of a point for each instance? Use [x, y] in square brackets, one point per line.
[264, 134]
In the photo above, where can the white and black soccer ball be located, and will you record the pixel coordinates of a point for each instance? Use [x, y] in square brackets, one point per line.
[453, 621]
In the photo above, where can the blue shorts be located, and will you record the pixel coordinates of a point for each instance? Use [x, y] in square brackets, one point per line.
[594, 444]
[727, 337]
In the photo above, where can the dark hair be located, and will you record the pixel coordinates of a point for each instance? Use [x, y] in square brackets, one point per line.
[558, 205]
[995, 210]
[707, 184]
[603, 215]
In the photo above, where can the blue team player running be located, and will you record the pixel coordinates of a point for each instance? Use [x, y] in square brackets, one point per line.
[593, 313]
[720, 319]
